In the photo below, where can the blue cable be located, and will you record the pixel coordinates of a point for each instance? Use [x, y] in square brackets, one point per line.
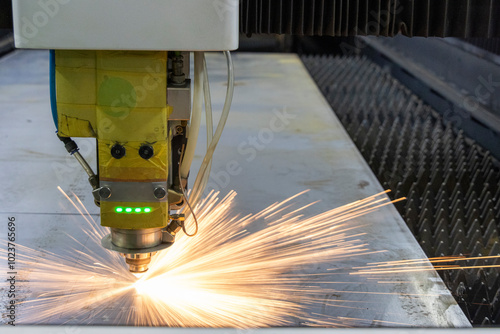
[52, 76]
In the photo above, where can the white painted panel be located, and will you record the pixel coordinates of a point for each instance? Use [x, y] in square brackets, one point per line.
[180, 25]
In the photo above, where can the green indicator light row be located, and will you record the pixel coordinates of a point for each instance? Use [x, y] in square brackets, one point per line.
[120, 209]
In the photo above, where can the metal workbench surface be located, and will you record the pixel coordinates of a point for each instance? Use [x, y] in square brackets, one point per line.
[312, 151]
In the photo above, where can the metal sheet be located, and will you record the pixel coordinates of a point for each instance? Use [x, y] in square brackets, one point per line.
[283, 136]
[131, 330]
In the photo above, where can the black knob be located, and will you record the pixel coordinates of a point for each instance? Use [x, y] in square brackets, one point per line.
[146, 152]
[117, 151]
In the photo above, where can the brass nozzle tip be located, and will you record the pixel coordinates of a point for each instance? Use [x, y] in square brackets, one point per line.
[138, 263]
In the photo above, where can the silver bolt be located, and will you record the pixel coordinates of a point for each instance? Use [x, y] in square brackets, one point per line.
[160, 193]
[105, 192]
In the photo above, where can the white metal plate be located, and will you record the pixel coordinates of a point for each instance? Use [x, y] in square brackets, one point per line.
[312, 151]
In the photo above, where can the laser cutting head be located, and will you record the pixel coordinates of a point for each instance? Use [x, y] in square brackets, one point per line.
[137, 105]
[138, 152]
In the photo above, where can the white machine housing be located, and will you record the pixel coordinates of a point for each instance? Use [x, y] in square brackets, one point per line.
[181, 25]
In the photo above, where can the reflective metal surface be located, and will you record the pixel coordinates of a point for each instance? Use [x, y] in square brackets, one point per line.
[136, 239]
[281, 138]
[107, 244]
[303, 330]
[179, 97]
[138, 263]
[133, 191]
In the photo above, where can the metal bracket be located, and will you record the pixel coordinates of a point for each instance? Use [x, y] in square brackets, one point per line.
[179, 97]
[133, 191]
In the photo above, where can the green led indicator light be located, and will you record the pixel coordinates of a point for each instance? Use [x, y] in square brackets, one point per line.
[120, 209]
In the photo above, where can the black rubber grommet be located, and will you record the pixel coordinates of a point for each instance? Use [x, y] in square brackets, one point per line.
[146, 152]
[118, 151]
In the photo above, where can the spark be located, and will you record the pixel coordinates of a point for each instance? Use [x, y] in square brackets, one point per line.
[224, 277]
[233, 278]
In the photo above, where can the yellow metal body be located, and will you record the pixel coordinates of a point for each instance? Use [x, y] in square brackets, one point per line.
[119, 97]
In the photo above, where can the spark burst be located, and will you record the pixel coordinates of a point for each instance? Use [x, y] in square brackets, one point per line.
[224, 277]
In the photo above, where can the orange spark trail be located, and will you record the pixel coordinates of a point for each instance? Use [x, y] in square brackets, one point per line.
[421, 265]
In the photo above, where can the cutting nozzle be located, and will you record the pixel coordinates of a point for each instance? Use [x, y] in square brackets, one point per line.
[137, 246]
[138, 263]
